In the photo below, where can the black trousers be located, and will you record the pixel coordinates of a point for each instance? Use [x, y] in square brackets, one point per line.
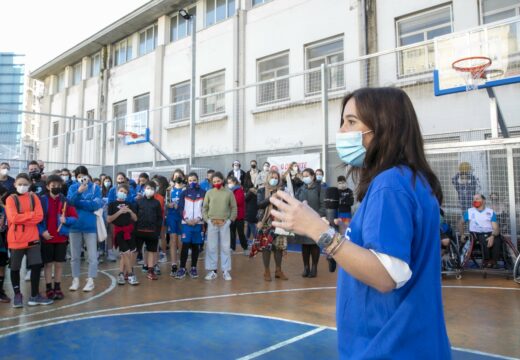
[492, 253]
[237, 226]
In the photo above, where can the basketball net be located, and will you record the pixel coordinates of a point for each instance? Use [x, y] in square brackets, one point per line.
[472, 69]
[127, 134]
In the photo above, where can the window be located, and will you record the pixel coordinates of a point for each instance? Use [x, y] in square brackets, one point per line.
[496, 10]
[180, 102]
[148, 40]
[180, 27]
[418, 28]
[95, 65]
[141, 103]
[76, 74]
[119, 114]
[55, 131]
[218, 10]
[61, 81]
[90, 125]
[258, 2]
[326, 52]
[213, 84]
[269, 69]
[123, 51]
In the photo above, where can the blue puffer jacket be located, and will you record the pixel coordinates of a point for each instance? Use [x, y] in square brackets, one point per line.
[112, 195]
[85, 203]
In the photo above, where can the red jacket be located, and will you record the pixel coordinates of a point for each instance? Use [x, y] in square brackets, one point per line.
[51, 217]
[240, 198]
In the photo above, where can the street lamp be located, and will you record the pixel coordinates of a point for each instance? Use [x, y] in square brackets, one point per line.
[191, 17]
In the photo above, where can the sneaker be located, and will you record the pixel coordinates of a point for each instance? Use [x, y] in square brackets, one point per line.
[39, 300]
[246, 252]
[211, 275]
[111, 256]
[227, 276]
[18, 300]
[58, 295]
[75, 284]
[89, 286]
[50, 294]
[140, 261]
[27, 276]
[144, 269]
[174, 268]
[162, 257]
[157, 269]
[4, 298]
[132, 279]
[193, 273]
[151, 275]
[181, 274]
[121, 279]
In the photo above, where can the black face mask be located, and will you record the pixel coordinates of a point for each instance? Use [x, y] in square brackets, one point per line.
[35, 175]
[55, 191]
[253, 166]
[179, 180]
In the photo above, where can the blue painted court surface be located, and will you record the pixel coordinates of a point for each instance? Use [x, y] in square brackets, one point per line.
[178, 335]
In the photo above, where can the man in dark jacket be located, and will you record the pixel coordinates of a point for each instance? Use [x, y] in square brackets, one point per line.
[238, 172]
[5, 180]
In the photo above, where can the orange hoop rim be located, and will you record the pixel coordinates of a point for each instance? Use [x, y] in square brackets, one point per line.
[132, 134]
[475, 69]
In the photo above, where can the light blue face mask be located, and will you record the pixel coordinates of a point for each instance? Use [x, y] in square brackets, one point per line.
[273, 182]
[350, 147]
[121, 195]
[319, 177]
[307, 180]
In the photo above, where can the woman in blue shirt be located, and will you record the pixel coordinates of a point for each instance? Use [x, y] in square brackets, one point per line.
[389, 301]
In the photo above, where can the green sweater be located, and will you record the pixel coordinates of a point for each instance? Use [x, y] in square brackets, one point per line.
[219, 204]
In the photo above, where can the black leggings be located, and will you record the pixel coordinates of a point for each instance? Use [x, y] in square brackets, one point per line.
[238, 226]
[194, 254]
[35, 280]
[307, 251]
[266, 256]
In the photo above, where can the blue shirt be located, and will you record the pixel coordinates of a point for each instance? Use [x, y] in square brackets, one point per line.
[401, 220]
[85, 203]
[205, 185]
[175, 197]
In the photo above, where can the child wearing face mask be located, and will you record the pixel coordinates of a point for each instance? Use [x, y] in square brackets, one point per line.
[5, 180]
[122, 214]
[148, 225]
[346, 200]
[174, 217]
[58, 217]
[237, 226]
[24, 213]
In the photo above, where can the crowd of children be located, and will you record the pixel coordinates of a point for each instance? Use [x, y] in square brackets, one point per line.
[41, 214]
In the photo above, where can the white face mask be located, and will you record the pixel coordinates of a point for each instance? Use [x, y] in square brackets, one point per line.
[65, 178]
[231, 186]
[4, 172]
[22, 189]
[266, 168]
[342, 186]
[149, 193]
[236, 167]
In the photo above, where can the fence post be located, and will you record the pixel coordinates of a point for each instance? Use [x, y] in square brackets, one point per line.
[114, 130]
[511, 191]
[67, 150]
[325, 115]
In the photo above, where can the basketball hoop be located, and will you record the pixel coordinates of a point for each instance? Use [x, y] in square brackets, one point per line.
[124, 134]
[473, 70]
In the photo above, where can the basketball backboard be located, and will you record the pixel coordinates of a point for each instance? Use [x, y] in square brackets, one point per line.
[136, 129]
[495, 48]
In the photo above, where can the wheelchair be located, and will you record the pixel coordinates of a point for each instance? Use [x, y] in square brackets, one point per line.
[450, 255]
[474, 256]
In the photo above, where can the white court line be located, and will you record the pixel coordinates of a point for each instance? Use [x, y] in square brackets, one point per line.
[135, 306]
[104, 292]
[476, 352]
[480, 287]
[281, 344]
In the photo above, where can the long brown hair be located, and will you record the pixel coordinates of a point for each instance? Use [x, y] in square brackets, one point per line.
[397, 140]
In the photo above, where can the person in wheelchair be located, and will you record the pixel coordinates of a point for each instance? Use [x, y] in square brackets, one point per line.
[483, 227]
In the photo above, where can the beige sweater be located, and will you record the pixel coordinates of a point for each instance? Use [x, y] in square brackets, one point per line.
[219, 204]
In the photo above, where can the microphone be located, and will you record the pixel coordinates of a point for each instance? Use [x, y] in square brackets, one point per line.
[331, 204]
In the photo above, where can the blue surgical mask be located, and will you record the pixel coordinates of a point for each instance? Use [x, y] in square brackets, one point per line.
[350, 147]
[319, 177]
[193, 185]
[121, 195]
[273, 182]
[307, 180]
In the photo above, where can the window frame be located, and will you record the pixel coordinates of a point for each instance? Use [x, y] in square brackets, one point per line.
[128, 51]
[120, 124]
[176, 17]
[175, 104]
[215, 21]
[262, 2]
[482, 15]
[92, 65]
[277, 83]
[90, 124]
[308, 60]
[220, 95]
[155, 33]
[55, 131]
[426, 48]
[75, 67]
[61, 81]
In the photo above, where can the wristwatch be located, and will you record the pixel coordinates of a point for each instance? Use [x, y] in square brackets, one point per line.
[326, 238]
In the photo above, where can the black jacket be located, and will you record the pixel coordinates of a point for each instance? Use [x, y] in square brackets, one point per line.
[346, 200]
[149, 215]
[251, 207]
[242, 176]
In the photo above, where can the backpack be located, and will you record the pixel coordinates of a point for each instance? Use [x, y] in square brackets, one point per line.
[19, 206]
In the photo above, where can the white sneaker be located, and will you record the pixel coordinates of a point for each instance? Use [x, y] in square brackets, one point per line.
[246, 252]
[132, 280]
[212, 275]
[27, 275]
[227, 276]
[89, 286]
[162, 257]
[75, 284]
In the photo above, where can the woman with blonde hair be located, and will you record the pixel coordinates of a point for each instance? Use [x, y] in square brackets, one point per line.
[293, 171]
[267, 241]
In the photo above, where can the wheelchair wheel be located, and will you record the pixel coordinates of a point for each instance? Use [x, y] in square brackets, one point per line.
[465, 253]
[516, 270]
[509, 253]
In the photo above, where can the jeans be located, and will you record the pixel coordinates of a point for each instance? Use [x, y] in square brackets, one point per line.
[216, 234]
[76, 242]
[251, 230]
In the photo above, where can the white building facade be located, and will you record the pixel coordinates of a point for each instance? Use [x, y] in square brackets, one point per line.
[142, 64]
